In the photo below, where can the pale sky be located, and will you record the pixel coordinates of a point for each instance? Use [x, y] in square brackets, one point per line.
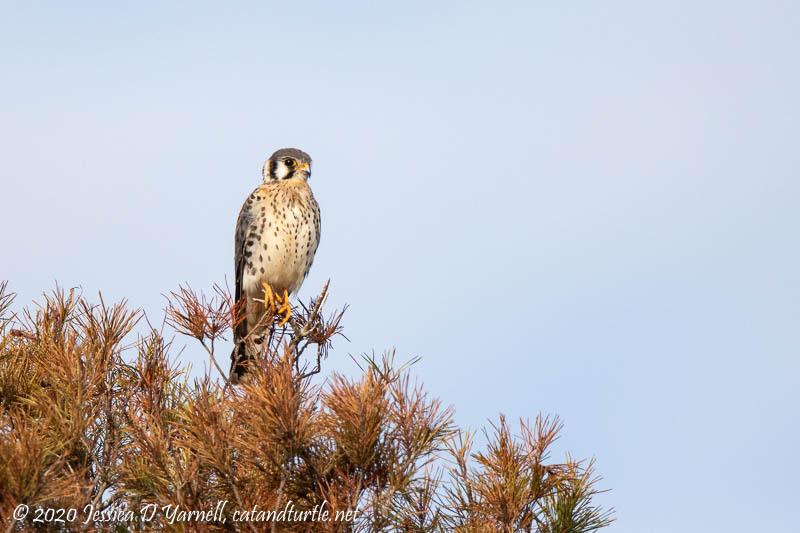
[589, 211]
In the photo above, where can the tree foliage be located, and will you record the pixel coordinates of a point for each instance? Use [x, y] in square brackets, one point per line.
[95, 419]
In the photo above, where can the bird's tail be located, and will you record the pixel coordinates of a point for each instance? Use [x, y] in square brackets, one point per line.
[239, 355]
[239, 360]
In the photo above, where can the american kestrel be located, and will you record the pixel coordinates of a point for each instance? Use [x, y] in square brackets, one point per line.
[277, 235]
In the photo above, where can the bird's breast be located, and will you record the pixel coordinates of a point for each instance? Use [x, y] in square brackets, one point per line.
[282, 237]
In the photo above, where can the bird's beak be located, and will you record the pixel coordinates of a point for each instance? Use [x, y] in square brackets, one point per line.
[305, 167]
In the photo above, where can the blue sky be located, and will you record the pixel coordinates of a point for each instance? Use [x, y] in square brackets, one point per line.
[585, 210]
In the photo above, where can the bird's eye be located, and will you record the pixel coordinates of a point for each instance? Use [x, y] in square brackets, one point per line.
[290, 163]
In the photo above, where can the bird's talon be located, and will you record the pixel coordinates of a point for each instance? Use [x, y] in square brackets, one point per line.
[269, 297]
[285, 309]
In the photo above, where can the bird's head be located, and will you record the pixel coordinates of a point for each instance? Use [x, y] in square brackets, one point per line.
[287, 163]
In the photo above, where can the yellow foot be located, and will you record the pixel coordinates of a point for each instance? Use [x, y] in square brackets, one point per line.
[285, 309]
[269, 297]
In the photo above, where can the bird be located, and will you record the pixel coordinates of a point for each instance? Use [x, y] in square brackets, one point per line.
[277, 235]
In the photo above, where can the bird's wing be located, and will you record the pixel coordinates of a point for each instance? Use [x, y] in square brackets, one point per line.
[242, 225]
[317, 219]
[317, 230]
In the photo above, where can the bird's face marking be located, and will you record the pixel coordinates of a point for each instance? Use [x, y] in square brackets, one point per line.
[288, 163]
